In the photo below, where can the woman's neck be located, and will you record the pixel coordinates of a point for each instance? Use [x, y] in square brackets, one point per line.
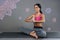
[37, 12]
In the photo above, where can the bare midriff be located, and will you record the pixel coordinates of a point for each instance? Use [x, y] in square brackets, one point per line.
[38, 24]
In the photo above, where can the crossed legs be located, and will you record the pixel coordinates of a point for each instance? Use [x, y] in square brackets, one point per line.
[33, 33]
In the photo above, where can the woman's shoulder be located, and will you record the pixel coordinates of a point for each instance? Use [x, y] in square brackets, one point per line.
[34, 14]
[43, 15]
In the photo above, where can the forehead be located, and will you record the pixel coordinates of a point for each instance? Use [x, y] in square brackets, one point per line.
[36, 6]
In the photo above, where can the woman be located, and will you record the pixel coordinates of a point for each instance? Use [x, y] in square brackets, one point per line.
[38, 19]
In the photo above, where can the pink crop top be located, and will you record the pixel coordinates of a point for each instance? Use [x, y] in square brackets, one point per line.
[38, 18]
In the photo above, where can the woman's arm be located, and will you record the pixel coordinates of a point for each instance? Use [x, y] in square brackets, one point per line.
[28, 19]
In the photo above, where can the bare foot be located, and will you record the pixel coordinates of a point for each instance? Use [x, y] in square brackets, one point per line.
[33, 33]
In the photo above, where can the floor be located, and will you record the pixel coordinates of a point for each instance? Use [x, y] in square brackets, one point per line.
[23, 36]
[28, 39]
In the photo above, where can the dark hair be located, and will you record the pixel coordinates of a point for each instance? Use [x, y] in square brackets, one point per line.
[38, 6]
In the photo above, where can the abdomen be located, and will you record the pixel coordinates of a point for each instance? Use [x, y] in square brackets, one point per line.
[37, 24]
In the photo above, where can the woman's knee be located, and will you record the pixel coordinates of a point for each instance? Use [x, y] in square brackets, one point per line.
[44, 34]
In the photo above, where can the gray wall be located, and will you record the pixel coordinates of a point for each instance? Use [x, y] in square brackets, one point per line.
[13, 23]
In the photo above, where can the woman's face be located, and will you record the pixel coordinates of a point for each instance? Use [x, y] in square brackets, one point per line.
[36, 8]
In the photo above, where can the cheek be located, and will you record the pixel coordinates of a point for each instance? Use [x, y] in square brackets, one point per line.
[35, 9]
[38, 8]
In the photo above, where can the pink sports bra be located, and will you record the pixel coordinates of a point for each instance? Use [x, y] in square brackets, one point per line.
[38, 18]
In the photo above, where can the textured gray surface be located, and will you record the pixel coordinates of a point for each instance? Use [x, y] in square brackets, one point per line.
[24, 35]
[12, 23]
[28, 39]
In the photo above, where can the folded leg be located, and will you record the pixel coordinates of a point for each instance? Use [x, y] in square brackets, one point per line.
[40, 32]
[25, 30]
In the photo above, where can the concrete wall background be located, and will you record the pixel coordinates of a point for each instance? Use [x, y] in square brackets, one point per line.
[25, 8]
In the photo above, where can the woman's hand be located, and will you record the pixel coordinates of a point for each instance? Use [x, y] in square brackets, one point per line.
[38, 21]
[28, 19]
